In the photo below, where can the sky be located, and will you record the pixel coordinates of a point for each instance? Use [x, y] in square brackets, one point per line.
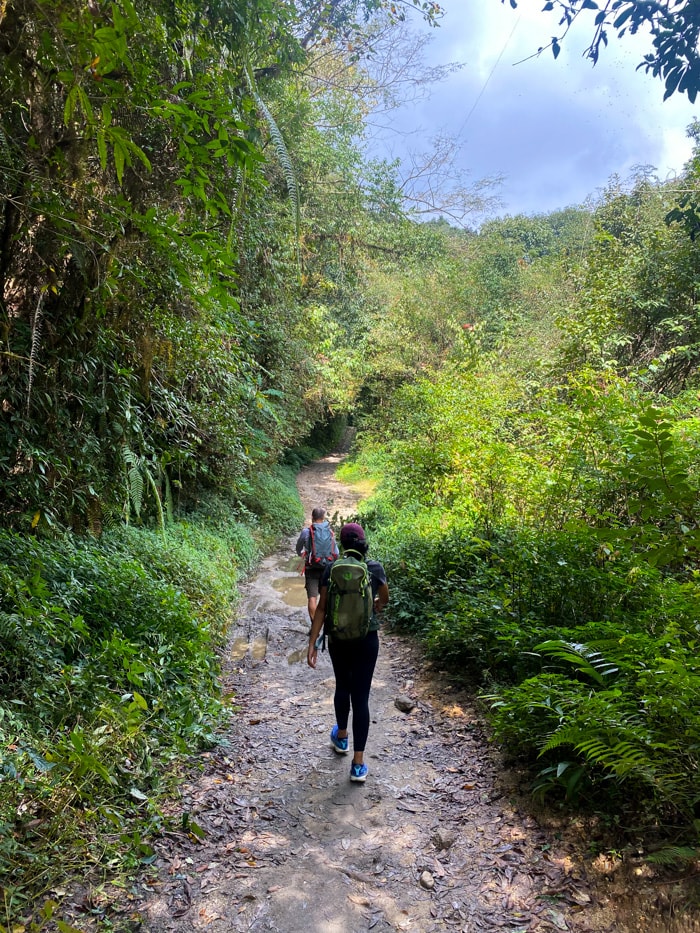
[558, 130]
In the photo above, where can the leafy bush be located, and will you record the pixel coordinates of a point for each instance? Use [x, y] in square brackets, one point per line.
[229, 523]
[602, 719]
[544, 544]
[272, 499]
[108, 669]
[109, 662]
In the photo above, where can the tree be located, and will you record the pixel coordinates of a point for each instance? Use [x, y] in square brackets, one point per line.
[674, 26]
[637, 309]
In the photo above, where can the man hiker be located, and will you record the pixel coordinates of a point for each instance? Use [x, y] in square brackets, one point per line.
[317, 544]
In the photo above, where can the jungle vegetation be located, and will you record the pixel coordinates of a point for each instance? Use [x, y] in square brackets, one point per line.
[204, 278]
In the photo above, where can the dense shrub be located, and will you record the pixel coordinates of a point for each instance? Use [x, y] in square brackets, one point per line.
[273, 503]
[544, 545]
[109, 662]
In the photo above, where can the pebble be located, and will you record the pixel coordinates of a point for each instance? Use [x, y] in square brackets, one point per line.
[443, 839]
[404, 703]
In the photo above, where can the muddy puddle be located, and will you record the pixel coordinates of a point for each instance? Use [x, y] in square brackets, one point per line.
[291, 591]
[288, 582]
[286, 579]
[296, 657]
[241, 646]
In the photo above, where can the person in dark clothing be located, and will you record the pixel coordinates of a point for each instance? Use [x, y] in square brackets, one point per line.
[312, 571]
[353, 661]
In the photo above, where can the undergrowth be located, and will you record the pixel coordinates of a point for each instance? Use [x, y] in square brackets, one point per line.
[109, 663]
[547, 551]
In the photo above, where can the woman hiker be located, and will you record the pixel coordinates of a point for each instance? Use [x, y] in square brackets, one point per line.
[353, 661]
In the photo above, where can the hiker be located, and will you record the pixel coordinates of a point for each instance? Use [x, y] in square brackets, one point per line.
[353, 659]
[318, 546]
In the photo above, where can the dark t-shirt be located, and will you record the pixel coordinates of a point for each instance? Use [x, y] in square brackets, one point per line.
[377, 577]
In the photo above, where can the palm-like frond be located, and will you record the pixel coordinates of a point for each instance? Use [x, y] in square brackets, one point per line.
[37, 325]
[9, 627]
[623, 758]
[138, 477]
[134, 482]
[674, 855]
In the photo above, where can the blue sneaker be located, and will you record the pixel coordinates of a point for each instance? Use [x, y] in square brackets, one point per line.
[358, 772]
[339, 745]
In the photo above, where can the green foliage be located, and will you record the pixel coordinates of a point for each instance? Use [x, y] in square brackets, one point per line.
[526, 395]
[108, 676]
[672, 25]
[230, 524]
[273, 499]
[159, 340]
[322, 439]
[590, 663]
[607, 730]
[637, 312]
[537, 506]
[542, 541]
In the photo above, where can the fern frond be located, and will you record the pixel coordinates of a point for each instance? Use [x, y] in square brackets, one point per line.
[621, 757]
[134, 481]
[129, 457]
[281, 151]
[567, 735]
[585, 659]
[594, 749]
[136, 488]
[138, 478]
[9, 628]
[239, 194]
[627, 758]
[5, 150]
[674, 855]
[36, 342]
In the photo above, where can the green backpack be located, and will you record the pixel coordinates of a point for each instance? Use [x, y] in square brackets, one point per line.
[349, 606]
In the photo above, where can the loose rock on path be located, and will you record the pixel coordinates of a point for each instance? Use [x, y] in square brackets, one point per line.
[276, 838]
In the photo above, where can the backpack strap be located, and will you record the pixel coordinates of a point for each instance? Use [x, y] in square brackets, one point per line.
[310, 552]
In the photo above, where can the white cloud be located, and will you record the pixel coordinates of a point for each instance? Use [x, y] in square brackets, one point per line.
[557, 128]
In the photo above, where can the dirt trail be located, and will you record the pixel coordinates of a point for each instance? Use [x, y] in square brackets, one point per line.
[435, 840]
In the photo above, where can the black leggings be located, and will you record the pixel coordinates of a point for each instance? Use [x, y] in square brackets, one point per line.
[353, 666]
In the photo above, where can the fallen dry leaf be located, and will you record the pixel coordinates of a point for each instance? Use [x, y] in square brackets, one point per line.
[360, 900]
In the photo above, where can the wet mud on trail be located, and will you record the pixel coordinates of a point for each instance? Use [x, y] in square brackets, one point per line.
[437, 839]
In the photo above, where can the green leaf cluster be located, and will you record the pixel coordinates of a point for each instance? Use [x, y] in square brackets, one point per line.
[537, 498]
[109, 663]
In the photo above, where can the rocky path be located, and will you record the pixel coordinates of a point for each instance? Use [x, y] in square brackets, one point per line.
[276, 838]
